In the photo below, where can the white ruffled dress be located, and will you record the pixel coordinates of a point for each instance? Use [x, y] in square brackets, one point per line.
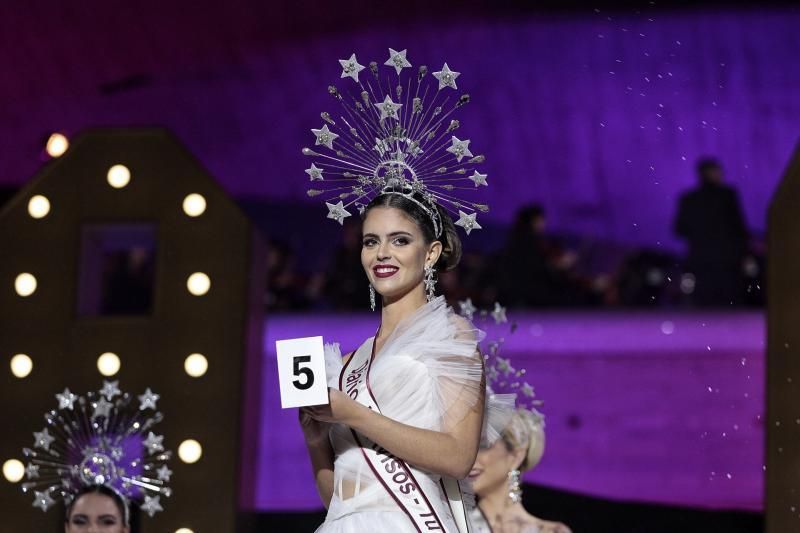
[428, 374]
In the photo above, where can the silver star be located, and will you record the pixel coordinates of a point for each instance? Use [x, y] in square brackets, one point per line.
[504, 366]
[324, 136]
[388, 108]
[397, 60]
[110, 389]
[42, 500]
[430, 284]
[467, 222]
[446, 77]
[151, 505]
[66, 399]
[32, 471]
[527, 390]
[43, 439]
[153, 443]
[164, 473]
[148, 400]
[467, 308]
[478, 178]
[337, 212]
[350, 67]
[102, 408]
[499, 313]
[381, 146]
[460, 148]
[314, 173]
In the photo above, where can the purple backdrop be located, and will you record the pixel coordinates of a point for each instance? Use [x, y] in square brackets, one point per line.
[598, 116]
[658, 407]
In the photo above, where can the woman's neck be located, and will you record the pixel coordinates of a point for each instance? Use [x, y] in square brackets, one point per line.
[496, 503]
[393, 311]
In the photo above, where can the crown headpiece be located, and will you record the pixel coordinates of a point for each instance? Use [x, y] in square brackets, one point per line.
[101, 438]
[394, 136]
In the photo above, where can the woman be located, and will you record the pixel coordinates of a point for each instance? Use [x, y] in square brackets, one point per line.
[97, 508]
[406, 409]
[495, 478]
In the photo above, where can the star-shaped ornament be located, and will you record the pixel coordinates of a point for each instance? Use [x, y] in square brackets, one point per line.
[337, 212]
[66, 399]
[350, 68]
[148, 400]
[527, 390]
[397, 60]
[478, 178]
[446, 77]
[151, 505]
[504, 366]
[388, 108]
[499, 313]
[42, 500]
[164, 473]
[110, 389]
[154, 443]
[314, 173]
[324, 136]
[460, 148]
[102, 408]
[43, 439]
[430, 285]
[467, 222]
[32, 471]
[467, 308]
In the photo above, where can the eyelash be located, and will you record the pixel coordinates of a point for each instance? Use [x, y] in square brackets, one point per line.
[399, 241]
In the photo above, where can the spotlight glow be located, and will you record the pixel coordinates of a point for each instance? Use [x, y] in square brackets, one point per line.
[108, 364]
[184, 530]
[25, 284]
[118, 176]
[38, 206]
[13, 470]
[57, 144]
[190, 451]
[21, 365]
[196, 365]
[198, 284]
[194, 205]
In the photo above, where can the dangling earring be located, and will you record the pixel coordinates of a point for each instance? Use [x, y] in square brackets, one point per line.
[514, 489]
[371, 297]
[430, 283]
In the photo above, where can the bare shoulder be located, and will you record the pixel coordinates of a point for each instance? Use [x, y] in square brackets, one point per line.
[545, 526]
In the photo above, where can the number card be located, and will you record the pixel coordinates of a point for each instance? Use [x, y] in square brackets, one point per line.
[301, 372]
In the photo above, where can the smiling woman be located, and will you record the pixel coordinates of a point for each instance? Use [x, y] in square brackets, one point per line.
[97, 508]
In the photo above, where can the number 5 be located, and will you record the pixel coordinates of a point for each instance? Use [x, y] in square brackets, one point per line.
[306, 372]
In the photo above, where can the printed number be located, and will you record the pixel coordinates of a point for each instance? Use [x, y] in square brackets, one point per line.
[305, 372]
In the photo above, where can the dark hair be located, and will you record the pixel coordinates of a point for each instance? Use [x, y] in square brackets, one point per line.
[451, 244]
[524, 217]
[103, 490]
[704, 164]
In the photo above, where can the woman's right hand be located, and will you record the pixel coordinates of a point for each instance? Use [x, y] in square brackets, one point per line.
[314, 431]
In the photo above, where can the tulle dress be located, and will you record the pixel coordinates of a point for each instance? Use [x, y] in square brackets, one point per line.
[428, 374]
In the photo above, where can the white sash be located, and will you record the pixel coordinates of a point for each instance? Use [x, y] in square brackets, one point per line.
[396, 476]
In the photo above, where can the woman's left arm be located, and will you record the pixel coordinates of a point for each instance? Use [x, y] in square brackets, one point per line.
[450, 452]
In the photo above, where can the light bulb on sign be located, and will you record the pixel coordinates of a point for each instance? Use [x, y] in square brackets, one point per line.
[118, 176]
[38, 206]
[196, 365]
[25, 284]
[190, 451]
[21, 365]
[194, 205]
[13, 470]
[198, 283]
[57, 145]
[108, 364]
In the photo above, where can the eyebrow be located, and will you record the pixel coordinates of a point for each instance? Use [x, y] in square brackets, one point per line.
[392, 234]
[86, 517]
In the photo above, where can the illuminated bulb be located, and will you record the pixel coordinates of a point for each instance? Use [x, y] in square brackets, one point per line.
[13, 470]
[21, 365]
[118, 176]
[198, 283]
[194, 205]
[190, 451]
[25, 284]
[38, 206]
[196, 365]
[184, 530]
[57, 144]
[108, 364]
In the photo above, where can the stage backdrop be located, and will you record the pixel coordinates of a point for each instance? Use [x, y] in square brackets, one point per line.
[599, 116]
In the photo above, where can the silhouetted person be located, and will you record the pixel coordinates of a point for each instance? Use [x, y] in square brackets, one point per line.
[710, 219]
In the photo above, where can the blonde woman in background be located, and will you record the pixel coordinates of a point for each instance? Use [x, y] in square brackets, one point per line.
[496, 478]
